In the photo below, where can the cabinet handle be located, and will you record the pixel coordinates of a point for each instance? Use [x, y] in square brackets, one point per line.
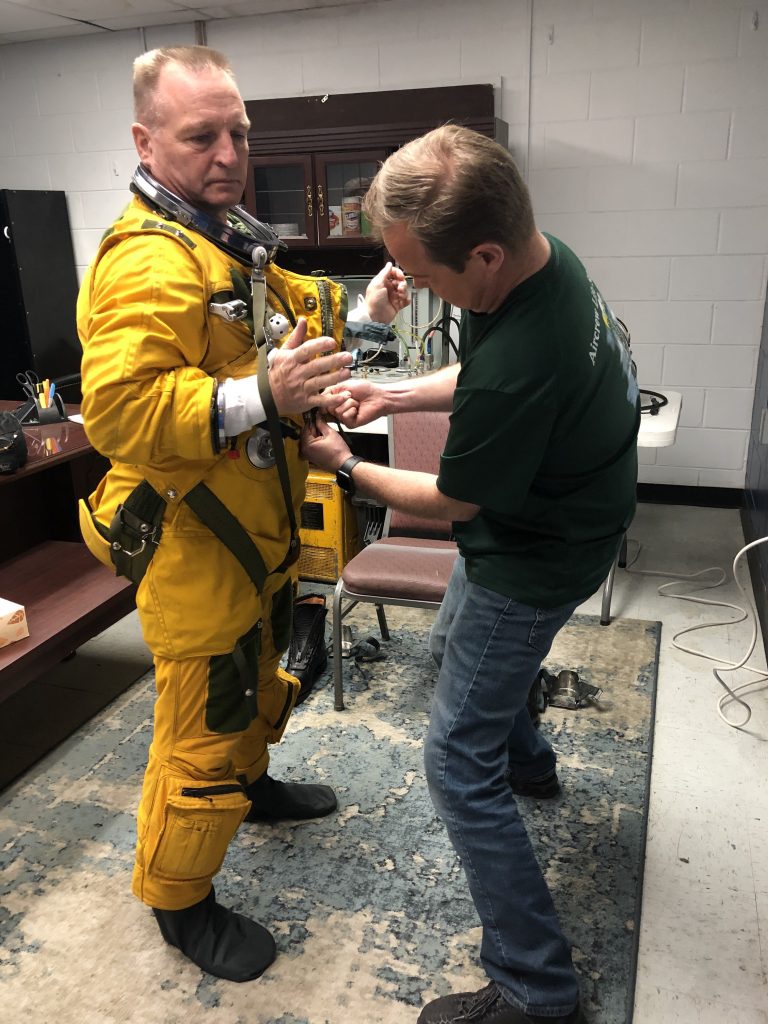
[320, 201]
[310, 214]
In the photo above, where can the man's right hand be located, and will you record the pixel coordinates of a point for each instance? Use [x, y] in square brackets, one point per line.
[300, 370]
[356, 403]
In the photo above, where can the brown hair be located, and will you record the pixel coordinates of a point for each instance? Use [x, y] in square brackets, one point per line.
[147, 69]
[454, 189]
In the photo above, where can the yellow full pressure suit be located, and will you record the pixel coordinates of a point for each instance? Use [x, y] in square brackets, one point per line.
[153, 355]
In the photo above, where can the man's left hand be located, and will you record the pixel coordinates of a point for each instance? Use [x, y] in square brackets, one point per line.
[301, 369]
[387, 294]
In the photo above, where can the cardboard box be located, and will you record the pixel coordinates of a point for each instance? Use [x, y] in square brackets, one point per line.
[13, 622]
[334, 221]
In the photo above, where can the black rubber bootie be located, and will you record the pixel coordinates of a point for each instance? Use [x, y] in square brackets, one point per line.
[218, 940]
[294, 801]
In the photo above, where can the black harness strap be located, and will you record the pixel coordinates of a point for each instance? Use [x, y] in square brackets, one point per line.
[214, 514]
[211, 511]
[145, 503]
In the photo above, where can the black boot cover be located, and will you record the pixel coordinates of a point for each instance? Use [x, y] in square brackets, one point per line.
[288, 801]
[307, 655]
[221, 942]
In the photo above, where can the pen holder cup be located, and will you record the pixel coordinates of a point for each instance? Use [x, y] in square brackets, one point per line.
[42, 415]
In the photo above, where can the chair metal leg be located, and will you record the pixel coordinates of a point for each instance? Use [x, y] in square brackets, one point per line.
[605, 611]
[338, 677]
[621, 560]
[383, 627]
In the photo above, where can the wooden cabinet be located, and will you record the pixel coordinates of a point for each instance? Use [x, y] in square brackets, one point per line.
[308, 154]
[68, 595]
[313, 200]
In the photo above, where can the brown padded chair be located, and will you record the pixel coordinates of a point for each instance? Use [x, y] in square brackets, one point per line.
[412, 561]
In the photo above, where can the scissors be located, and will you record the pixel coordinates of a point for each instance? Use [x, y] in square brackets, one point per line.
[30, 382]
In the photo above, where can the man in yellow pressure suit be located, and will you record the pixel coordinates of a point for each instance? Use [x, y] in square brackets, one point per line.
[200, 505]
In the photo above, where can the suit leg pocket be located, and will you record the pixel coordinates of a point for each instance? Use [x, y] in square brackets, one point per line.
[197, 827]
[233, 681]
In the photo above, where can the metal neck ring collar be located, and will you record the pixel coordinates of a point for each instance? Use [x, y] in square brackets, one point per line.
[238, 236]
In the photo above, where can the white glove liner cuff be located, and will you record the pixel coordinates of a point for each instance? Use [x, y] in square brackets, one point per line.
[243, 407]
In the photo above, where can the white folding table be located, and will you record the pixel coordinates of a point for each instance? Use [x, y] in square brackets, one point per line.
[657, 431]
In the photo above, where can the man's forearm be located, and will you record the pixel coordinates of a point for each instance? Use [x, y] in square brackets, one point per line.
[432, 392]
[408, 491]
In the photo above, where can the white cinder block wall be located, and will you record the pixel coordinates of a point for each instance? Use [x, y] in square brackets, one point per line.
[642, 126]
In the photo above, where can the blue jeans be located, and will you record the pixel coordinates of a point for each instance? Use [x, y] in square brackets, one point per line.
[488, 649]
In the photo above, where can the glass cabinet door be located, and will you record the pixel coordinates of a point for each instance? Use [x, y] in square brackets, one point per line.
[280, 192]
[342, 179]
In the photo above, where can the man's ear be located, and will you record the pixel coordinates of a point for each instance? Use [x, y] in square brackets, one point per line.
[142, 142]
[489, 253]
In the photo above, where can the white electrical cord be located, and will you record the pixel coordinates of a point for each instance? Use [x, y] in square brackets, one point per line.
[731, 695]
[417, 333]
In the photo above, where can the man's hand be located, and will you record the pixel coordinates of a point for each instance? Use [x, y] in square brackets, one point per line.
[387, 294]
[323, 446]
[299, 370]
[356, 403]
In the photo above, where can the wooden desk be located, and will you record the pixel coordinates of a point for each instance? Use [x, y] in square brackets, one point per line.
[68, 595]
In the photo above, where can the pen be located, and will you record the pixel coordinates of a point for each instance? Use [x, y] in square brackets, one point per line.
[52, 392]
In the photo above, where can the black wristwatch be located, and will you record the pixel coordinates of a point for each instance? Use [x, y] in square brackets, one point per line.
[344, 474]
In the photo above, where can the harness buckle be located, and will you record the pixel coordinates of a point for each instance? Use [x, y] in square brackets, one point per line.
[230, 311]
[132, 541]
[130, 533]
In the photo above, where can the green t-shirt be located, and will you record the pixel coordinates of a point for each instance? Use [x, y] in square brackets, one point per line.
[543, 437]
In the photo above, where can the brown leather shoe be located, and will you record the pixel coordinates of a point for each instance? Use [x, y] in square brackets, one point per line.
[488, 1006]
[544, 788]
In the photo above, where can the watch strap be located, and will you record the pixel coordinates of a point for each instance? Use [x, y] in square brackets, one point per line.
[343, 473]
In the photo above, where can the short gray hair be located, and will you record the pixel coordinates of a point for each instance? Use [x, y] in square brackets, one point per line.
[147, 69]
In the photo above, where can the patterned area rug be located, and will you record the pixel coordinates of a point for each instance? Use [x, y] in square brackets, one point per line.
[369, 907]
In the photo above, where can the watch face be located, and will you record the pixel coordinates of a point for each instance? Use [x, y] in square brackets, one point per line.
[344, 474]
[344, 480]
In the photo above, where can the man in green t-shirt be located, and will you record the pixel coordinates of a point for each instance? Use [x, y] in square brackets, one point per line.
[538, 478]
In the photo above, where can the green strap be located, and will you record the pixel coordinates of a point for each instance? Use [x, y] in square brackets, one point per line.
[220, 521]
[259, 301]
[278, 449]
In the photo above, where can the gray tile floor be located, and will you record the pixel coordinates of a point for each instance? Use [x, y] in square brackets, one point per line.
[704, 934]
